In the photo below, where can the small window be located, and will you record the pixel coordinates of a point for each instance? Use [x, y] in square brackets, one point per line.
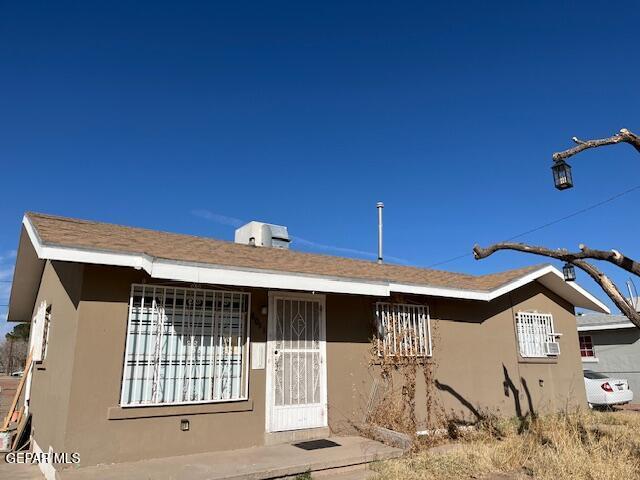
[536, 335]
[586, 346]
[403, 330]
[185, 345]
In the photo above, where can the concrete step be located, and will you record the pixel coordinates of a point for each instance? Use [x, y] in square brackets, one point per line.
[257, 463]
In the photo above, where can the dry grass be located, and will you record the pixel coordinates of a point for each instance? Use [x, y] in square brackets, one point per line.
[578, 445]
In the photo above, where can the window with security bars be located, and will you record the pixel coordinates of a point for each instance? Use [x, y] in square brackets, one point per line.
[536, 335]
[586, 346]
[403, 330]
[185, 345]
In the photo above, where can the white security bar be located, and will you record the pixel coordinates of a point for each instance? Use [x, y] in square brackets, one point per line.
[185, 345]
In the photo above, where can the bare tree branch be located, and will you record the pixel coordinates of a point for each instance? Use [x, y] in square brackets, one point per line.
[611, 256]
[576, 259]
[624, 136]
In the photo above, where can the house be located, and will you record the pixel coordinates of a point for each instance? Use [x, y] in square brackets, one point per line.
[610, 344]
[150, 344]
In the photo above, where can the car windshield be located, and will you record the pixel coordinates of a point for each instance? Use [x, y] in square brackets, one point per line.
[594, 375]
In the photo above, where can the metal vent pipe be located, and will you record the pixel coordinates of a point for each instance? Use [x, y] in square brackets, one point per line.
[380, 206]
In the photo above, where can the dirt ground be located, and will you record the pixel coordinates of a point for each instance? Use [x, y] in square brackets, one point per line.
[8, 386]
[631, 407]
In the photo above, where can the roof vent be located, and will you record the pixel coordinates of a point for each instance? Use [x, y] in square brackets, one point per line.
[261, 234]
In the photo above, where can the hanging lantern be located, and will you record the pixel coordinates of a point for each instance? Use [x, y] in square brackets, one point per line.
[562, 175]
[569, 272]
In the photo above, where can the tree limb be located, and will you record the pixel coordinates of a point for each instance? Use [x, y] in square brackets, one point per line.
[576, 259]
[623, 136]
[611, 256]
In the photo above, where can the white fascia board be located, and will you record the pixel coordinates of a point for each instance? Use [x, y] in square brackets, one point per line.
[80, 255]
[485, 296]
[522, 281]
[264, 279]
[439, 291]
[215, 274]
[578, 296]
[602, 307]
[611, 326]
[548, 275]
[203, 273]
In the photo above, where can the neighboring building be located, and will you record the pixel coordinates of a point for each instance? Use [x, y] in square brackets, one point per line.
[140, 335]
[610, 344]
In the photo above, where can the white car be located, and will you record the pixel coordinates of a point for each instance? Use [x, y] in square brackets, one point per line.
[603, 391]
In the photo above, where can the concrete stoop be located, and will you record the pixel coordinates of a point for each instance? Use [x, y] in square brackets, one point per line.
[348, 461]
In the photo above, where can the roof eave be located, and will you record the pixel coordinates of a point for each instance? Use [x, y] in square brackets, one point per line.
[223, 275]
[26, 280]
[611, 326]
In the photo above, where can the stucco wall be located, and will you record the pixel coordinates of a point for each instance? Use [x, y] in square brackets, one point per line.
[618, 354]
[97, 377]
[474, 345]
[478, 367]
[52, 379]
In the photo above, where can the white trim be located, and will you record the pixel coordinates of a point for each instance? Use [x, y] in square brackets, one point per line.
[439, 291]
[206, 273]
[80, 255]
[611, 326]
[548, 271]
[549, 276]
[220, 275]
[46, 468]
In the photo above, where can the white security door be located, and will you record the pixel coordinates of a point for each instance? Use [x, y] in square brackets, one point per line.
[296, 366]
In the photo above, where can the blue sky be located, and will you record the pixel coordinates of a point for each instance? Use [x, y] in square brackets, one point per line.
[188, 117]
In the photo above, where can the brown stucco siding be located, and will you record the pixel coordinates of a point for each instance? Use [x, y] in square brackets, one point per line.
[475, 349]
[563, 383]
[478, 368]
[350, 375]
[52, 379]
[97, 381]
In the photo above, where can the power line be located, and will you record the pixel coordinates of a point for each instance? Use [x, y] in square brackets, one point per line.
[562, 219]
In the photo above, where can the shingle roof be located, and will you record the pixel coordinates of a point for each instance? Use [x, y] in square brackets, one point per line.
[600, 320]
[74, 233]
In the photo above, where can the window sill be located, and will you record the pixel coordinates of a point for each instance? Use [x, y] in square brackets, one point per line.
[543, 360]
[590, 360]
[120, 413]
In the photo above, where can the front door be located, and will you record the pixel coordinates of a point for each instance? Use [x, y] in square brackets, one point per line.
[296, 366]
